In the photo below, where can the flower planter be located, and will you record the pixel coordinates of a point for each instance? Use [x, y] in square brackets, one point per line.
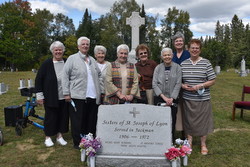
[185, 161]
[83, 155]
[174, 163]
[91, 162]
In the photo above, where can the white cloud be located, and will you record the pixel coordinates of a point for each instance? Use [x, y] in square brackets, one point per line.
[52, 7]
[204, 28]
[203, 13]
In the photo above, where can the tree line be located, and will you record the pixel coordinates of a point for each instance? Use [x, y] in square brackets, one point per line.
[25, 37]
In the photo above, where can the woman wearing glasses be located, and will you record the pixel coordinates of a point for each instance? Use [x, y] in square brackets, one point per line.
[145, 67]
[197, 77]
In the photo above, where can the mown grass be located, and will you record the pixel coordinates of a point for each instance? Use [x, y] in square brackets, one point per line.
[228, 145]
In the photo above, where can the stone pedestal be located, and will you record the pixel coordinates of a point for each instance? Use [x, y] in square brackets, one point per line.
[132, 161]
[132, 57]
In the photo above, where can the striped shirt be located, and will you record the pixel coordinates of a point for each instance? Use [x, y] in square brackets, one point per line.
[194, 74]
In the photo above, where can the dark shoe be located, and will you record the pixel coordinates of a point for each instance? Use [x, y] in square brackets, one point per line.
[76, 147]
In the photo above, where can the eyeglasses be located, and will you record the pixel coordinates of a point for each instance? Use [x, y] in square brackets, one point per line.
[193, 48]
[143, 53]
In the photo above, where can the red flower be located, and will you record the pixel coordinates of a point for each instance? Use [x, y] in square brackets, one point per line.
[173, 153]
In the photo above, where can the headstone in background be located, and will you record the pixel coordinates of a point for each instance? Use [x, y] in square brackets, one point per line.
[22, 84]
[243, 68]
[34, 70]
[135, 21]
[217, 70]
[30, 83]
[134, 135]
[3, 88]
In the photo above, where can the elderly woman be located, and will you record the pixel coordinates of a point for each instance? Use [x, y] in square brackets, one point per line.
[180, 55]
[100, 54]
[145, 68]
[49, 92]
[197, 77]
[121, 84]
[82, 84]
[167, 83]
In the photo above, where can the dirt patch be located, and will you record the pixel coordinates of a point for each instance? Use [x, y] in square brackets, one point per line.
[43, 157]
[26, 146]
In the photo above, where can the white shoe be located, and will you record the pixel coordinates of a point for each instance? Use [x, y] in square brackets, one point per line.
[48, 142]
[61, 141]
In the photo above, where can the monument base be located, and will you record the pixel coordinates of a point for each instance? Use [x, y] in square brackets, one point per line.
[135, 161]
[243, 74]
[132, 57]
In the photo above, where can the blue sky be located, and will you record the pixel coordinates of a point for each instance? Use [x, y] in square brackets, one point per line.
[203, 13]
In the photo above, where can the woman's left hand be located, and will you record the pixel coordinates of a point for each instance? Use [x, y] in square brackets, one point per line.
[129, 97]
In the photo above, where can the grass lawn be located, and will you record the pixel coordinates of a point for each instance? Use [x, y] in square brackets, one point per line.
[228, 145]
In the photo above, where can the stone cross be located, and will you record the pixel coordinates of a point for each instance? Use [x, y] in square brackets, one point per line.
[135, 21]
[134, 112]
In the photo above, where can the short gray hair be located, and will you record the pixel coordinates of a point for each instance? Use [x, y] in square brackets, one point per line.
[122, 46]
[56, 44]
[82, 38]
[166, 50]
[178, 35]
[99, 48]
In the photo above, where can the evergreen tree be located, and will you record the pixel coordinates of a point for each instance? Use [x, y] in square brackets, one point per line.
[237, 45]
[143, 27]
[175, 20]
[219, 32]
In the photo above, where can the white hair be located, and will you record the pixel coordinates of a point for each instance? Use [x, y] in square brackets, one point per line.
[122, 46]
[99, 48]
[82, 38]
[166, 50]
[56, 44]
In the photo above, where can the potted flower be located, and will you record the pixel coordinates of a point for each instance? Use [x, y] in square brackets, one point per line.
[173, 154]
[90, 145]
[185, 150]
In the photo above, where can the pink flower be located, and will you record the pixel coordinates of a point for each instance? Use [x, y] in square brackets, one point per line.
[90, 144]
[173, 153]
[185, 150]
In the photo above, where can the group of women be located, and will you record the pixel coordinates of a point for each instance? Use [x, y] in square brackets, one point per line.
[75, 88]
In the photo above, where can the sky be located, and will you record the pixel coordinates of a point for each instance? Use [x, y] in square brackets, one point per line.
[203, 13]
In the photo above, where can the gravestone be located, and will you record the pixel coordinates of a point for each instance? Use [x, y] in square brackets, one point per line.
[243, 68]
[133, 135]
[135, 21]
[22, 84]
[30, 83]
[217, 70]
[3, 88]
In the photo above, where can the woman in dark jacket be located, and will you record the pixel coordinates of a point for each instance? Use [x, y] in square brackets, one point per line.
[49, 92]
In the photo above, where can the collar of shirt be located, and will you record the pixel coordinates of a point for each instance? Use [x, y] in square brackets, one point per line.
[58, 61]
